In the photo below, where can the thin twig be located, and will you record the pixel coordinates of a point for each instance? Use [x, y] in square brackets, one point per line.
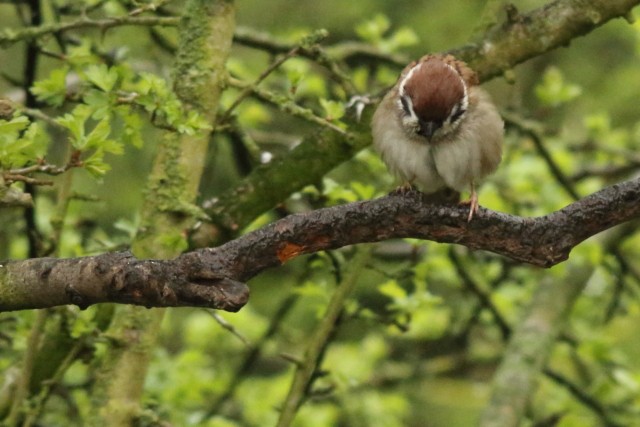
[229, 327]
[249, 88]
[286, 105]
[527, 128]
[314, 52]
[11, 36]
[583, 397]
[309, 364]
[483, 297]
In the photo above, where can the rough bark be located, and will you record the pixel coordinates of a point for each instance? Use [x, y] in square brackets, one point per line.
[213, 277]
[521, 37]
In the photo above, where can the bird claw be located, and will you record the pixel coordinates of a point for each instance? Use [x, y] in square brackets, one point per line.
[403, 189]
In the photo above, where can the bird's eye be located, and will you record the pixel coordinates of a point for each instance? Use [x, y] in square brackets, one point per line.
[406, 104]
[456, 113]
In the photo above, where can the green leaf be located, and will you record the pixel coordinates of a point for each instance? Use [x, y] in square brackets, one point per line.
[75, 122]
[131, 132]
[102, 76]
[98, 134]
[337, 193]
[13, 126]
[373, 29]
[96, 165]
[80, 55]
[553, 90]
[99, 103]
[364, 191]
[38, 140]
[53, 89]
[333, 110]
[392, 289]
[404, 37]
[112, 146]
[19, 146]
[598, 124]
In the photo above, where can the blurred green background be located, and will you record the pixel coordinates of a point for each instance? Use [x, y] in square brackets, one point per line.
[414, 348]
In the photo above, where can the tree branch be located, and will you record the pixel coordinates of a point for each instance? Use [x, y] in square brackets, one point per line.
[214, 277]
[501, 48]
[11, 36]
[525, 36]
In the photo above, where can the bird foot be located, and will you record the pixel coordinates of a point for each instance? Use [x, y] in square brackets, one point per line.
[473, 205]
[403, 189]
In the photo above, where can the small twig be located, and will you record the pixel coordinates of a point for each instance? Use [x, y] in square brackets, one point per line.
[21, 174]
[309, 364]
[252, 355]
[287, 105]
[583, 397]
[9, 37]
[10, 178]
[249, 88]
[529, 129]
[314, 52]
[151, 7]
[229, 327]
[18, 404]
[483, 297]
[607, 172]
[45, 390]
[38, 114]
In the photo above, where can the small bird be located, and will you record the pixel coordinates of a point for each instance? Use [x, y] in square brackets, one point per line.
[436, 128]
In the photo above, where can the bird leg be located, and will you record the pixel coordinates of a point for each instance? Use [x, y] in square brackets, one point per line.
[472, 202]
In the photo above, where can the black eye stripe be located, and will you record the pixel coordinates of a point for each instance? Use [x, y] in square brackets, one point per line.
[457, 113]
[405, 104]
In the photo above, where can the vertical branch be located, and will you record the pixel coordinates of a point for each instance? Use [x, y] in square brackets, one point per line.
[532, 340]
[206, 32]
[531, 344]
[306, 368]
[29, 76]
[21, 395]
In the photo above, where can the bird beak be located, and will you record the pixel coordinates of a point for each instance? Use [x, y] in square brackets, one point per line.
[427, 129]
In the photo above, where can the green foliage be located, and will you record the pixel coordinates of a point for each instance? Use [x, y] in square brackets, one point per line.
[52, 90]
[375, 31]
[553, 90]
[154, 95]
[21, 142]
[415, 342]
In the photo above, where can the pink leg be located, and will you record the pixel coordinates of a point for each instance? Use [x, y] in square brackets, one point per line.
[472, 202]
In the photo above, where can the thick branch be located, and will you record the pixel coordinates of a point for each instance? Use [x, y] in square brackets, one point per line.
[501, 48]
[213, 277]
[525, 36]
[113, 277]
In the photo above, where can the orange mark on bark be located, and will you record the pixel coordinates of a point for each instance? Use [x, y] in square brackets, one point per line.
[288, 251]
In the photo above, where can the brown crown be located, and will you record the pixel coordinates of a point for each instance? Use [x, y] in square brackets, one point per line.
[437, 85]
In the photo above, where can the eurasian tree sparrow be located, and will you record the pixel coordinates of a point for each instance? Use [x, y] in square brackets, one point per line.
[436, 128]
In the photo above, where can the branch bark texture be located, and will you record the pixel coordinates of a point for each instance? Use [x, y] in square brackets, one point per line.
[214, 277]
[521, 37]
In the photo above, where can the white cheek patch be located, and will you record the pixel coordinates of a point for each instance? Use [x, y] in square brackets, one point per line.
[409, 116]
[455, 117]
